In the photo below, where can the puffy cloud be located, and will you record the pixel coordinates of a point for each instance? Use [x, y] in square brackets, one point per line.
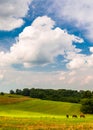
[77, 61]
[88, 79]
[12, 12]
[77, 12]
[39, 44]
[91, 49]
[77, 79]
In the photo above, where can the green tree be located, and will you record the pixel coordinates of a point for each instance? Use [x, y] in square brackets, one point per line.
[18, 92]
[12, 92]
[2, 93]
[26, 92]
[87, 106]
[87, 94]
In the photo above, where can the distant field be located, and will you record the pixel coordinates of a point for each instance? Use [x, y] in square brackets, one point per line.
[23, 113]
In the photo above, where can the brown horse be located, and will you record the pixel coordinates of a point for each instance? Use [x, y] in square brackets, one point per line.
[74, 116]
[82, 116]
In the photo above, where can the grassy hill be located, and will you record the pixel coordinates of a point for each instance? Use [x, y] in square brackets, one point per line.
[23, 113]
[19, 106]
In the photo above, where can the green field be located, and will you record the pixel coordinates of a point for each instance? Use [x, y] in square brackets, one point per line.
[23, 113]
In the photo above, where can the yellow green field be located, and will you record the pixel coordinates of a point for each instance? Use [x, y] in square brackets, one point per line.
[23, 113]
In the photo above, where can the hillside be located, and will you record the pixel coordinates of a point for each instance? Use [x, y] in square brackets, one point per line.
[20, 106]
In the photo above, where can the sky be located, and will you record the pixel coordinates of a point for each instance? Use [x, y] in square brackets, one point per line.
[46, 44]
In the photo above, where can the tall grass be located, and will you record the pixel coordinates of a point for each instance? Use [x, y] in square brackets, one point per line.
[45, 123]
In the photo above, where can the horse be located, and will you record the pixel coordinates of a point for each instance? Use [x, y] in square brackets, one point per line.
[67, 116]
[74, 116]
[82, 115]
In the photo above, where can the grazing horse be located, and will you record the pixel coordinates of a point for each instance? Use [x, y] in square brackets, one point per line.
[74, 116]
[67, 116]
[82, 115]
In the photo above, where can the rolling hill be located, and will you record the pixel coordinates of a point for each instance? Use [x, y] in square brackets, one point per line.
[20, 106]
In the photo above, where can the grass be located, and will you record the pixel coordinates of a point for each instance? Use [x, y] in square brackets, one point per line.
[27, 107]
[23, 113]
[10, 99]
[46, 123]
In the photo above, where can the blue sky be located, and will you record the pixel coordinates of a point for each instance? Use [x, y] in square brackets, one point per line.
[46, 44]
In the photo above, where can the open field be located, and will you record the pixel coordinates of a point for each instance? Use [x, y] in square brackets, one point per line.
[23, 113]
[45, 123]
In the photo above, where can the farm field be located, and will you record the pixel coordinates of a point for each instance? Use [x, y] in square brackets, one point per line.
[23, 113]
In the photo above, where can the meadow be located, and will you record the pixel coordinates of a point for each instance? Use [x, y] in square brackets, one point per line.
[24, 113]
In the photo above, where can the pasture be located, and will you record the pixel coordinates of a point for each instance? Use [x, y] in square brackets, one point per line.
[23, 113]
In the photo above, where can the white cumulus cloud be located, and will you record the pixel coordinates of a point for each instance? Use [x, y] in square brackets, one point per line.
[12, 12]
[39, 44]
[77, 12]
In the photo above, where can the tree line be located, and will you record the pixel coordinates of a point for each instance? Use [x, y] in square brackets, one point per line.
[73, 96]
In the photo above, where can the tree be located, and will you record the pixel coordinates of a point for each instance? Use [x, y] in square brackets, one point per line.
[2, 93]
[12, 92]
[87, 106]
[87, 94]
[26, 92]
[18, 92]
